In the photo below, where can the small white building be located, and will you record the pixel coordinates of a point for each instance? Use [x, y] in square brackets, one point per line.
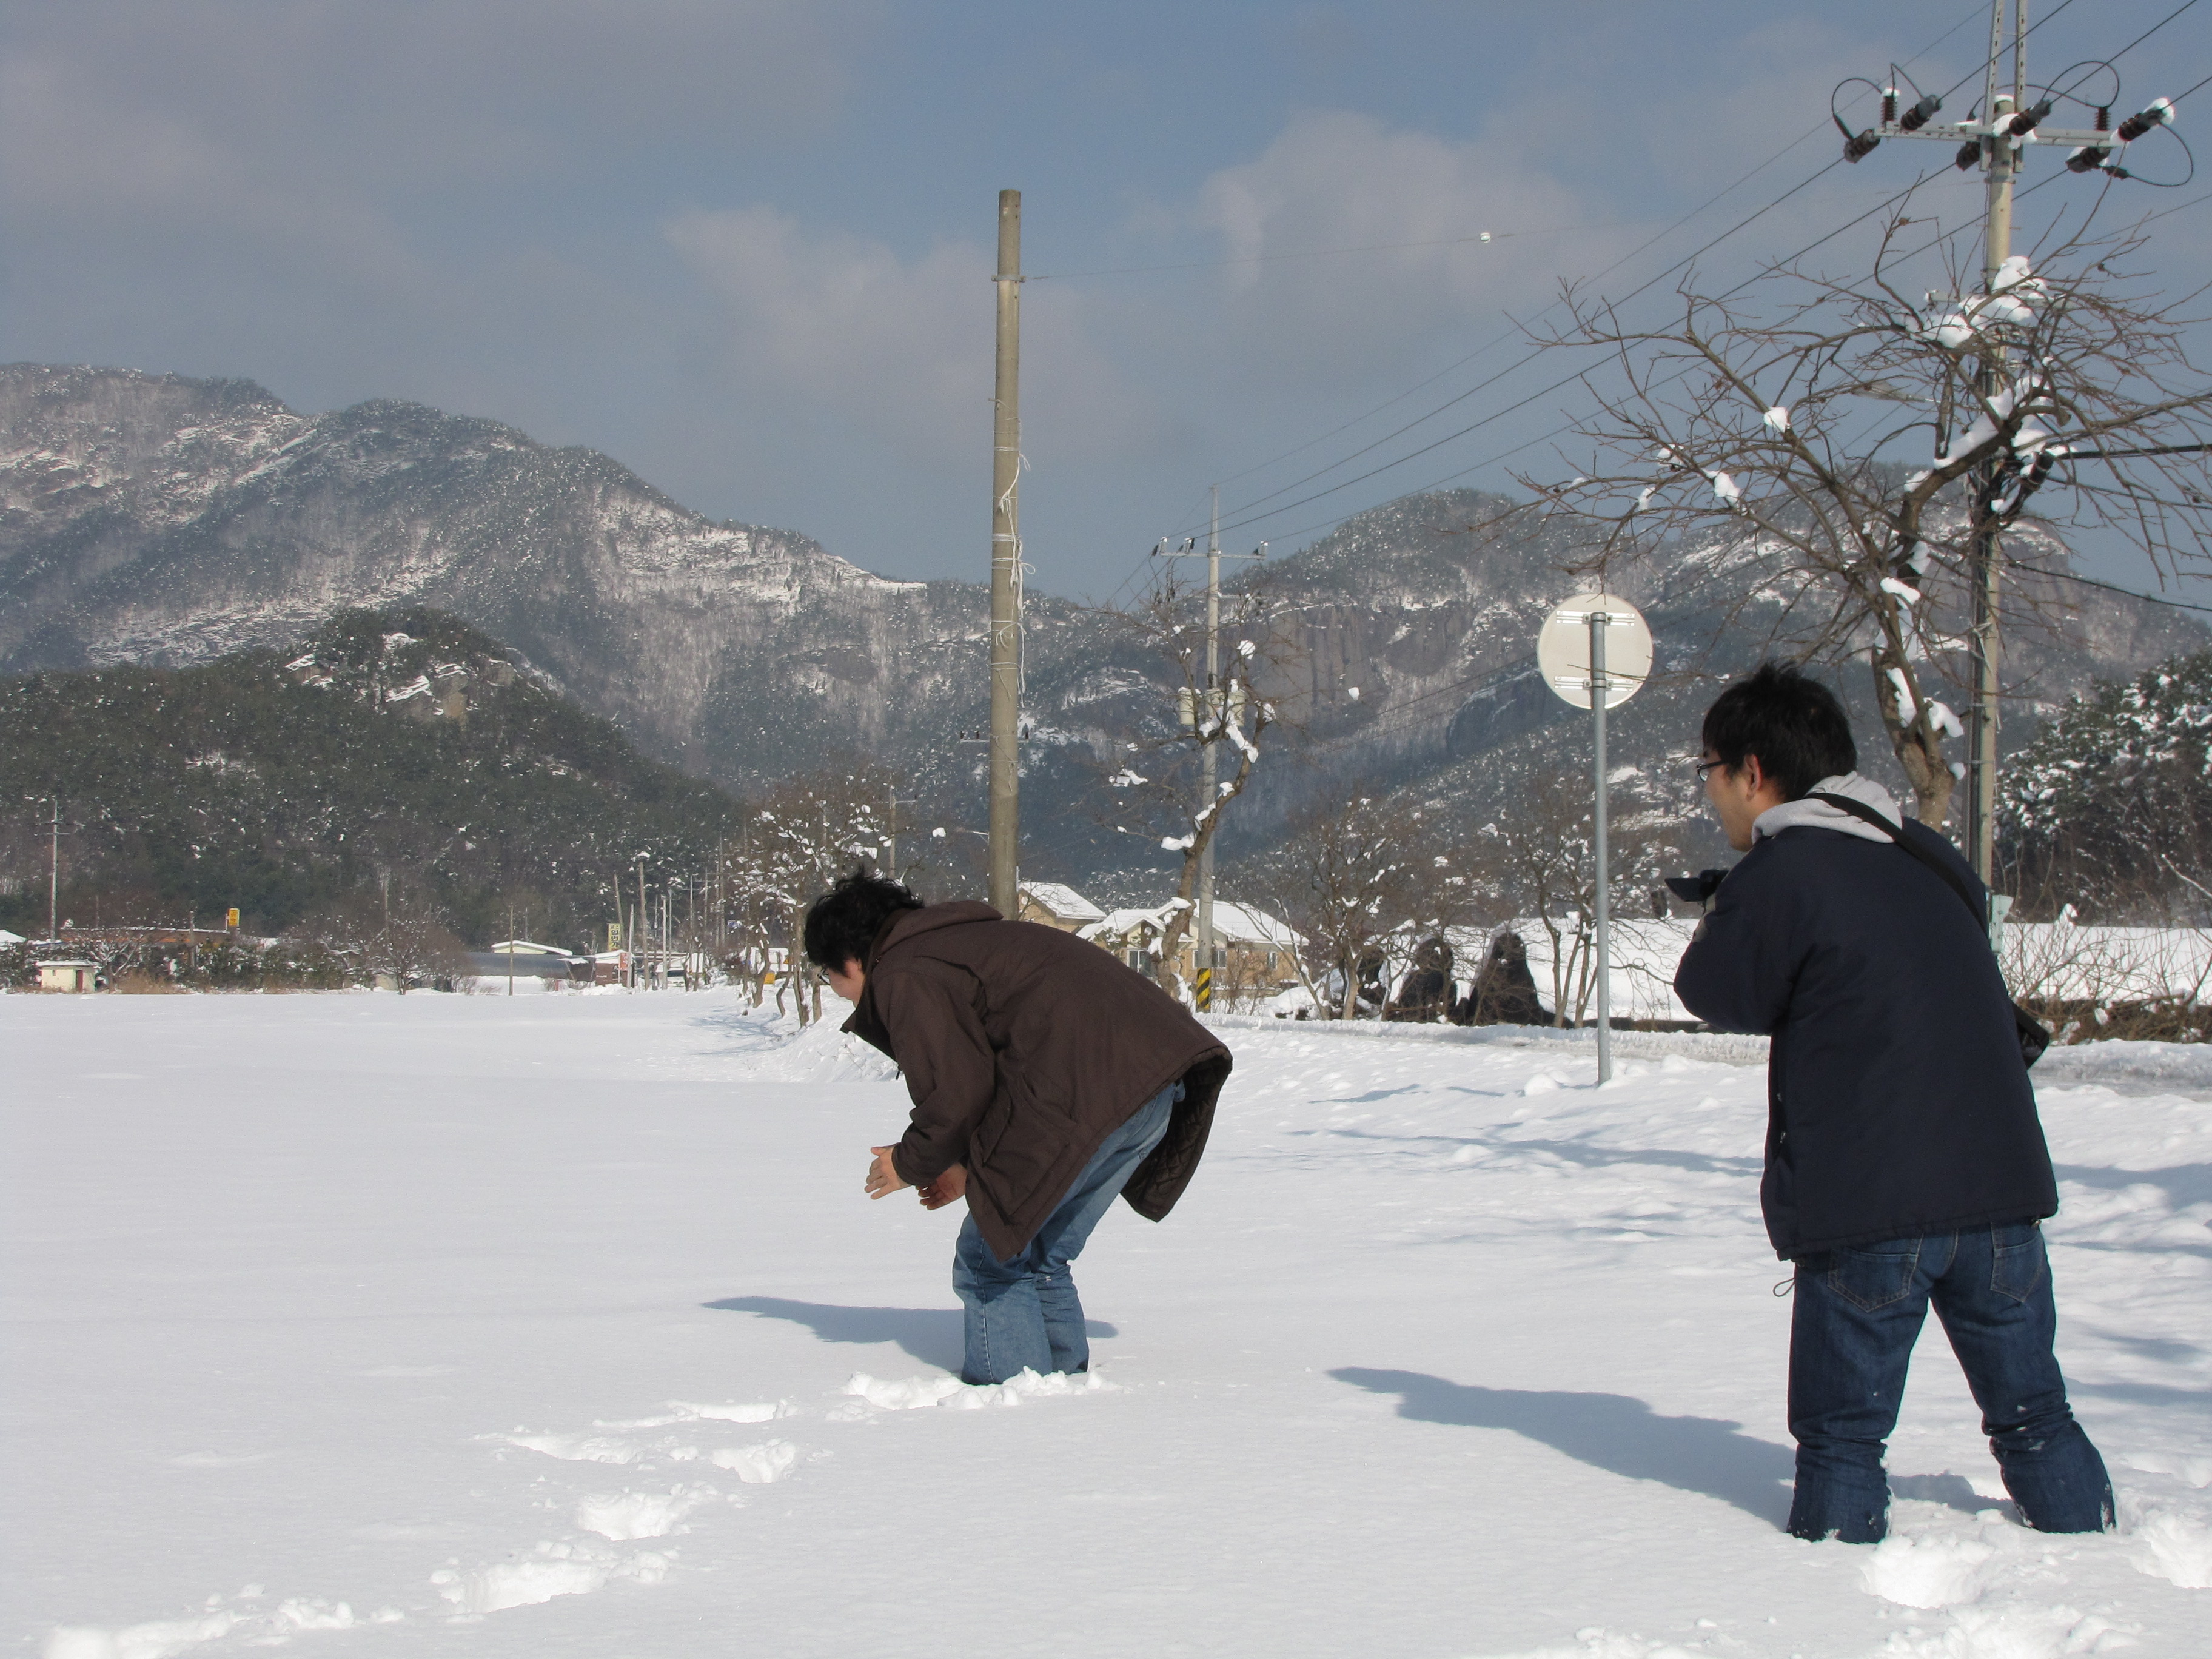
[67, 976]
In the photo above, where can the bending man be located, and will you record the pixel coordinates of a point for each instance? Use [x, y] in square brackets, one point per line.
[1046, 1078]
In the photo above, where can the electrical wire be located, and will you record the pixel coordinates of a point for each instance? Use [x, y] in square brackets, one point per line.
[1237, 522]
[1810, 132]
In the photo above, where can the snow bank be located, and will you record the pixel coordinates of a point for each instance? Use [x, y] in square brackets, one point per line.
[822, 1053]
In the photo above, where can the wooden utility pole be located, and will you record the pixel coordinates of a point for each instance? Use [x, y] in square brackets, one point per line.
[1006, 569]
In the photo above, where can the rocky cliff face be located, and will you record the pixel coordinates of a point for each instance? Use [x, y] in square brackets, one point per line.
[158, 518]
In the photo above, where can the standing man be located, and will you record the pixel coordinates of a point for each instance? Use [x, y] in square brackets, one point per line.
[1905, 1164]
[1047, 1078]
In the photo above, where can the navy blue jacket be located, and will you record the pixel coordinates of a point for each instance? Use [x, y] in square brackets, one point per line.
[1897, 1101]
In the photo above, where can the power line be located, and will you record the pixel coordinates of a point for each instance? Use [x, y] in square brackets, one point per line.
[1600, 276]
[1238, 523]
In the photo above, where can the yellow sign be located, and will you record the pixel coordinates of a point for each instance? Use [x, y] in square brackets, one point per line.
[614, 936]
[233, 922]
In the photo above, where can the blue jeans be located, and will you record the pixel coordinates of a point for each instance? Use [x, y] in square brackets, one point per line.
[1024, 1313]
[1857, 1314]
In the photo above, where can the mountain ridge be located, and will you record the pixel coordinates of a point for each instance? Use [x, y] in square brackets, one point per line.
[159, 518]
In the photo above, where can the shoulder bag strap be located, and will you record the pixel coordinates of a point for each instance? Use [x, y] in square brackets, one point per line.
[1859, 809]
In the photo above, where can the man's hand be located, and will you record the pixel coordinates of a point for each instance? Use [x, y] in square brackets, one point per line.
[883, 1178]
[947, 1188]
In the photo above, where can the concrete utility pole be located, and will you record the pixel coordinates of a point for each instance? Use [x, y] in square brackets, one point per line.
[2000, 166]
[1216, 712]
[1997, 142]
[1209, 717]
[54, 875]
[1006, 570]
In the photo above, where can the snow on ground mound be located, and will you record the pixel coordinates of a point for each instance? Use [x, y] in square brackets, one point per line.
[822, 1053]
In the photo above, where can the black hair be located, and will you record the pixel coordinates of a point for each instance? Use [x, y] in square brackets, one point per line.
[1791, 721]
[843, 924]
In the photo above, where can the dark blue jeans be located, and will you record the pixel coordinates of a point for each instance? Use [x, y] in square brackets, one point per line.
[1024, 1314]
[1857, 1314]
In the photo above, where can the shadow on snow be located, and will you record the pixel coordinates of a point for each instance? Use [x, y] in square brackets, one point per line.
[1610, 1432]
[933, 1335]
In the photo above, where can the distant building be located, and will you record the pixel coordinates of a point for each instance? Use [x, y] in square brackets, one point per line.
[1056, 906]
[529, 960]
[1254, 954]
[67, 976]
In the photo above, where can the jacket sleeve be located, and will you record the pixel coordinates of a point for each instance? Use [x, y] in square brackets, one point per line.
[951, 1071]
[1742, 962]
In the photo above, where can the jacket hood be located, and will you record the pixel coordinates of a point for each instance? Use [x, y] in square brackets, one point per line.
[909, 923]
[1819, 815]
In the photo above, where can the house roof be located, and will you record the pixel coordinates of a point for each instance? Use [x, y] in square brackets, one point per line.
[524, 947]
[1233, 924]
[1063, 901]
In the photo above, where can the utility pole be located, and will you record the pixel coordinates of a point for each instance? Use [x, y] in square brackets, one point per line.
[510, 947]
[1208, 719]
[2000, 166]
[1997, 143]
[54, 875]
[1210, 770]
[890, 836]
[1006, 569]
[1601, 690]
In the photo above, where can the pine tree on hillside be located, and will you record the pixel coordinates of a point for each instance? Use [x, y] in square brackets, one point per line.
[2110, 810]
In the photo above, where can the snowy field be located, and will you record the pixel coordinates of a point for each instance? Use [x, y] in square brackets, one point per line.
[363, 1325]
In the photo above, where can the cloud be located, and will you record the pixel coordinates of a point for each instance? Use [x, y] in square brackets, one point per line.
[899, 349]
[132, 105]
[1337, 180]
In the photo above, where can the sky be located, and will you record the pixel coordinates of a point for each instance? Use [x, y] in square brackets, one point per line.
[745, 246]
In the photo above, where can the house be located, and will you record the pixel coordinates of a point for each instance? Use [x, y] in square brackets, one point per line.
[526, 959]
[67, 976]
[1254, 954]
[1056, 906]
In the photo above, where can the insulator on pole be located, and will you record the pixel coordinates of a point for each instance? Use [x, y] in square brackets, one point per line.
[2159, 114]
[1918, 116]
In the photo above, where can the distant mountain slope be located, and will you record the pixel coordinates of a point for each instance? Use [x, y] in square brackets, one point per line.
[392, 741]
[149, 519]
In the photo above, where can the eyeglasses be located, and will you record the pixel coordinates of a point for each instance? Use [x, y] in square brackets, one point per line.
[1704, 767]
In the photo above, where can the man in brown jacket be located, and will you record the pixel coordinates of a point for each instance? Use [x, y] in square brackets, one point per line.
[1046, 1078]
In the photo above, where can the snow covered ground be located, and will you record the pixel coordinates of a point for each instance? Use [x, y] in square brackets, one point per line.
[364, 1325]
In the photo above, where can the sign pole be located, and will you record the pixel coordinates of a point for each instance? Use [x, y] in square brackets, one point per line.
[1600, 689]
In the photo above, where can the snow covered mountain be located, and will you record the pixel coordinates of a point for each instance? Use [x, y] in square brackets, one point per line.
[159, 519]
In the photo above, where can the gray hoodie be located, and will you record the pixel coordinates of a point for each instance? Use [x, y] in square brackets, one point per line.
[1819, 815]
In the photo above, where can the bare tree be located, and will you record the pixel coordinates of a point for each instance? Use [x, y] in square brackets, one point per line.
[1536, 860]
[1841, 446]
[396, 937]
[1362, 882]
[794, 846]
[1235, 717]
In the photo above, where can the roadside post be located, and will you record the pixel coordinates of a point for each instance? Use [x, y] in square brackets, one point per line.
[1594, 651]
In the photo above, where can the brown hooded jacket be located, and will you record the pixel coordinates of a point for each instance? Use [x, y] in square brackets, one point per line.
[1023, 1047]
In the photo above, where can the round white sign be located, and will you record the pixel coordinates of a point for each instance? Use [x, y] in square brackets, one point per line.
[1563, 649]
